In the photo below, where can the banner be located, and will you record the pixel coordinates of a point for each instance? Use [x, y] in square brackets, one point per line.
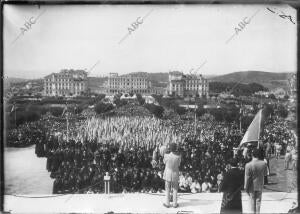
[253, 131]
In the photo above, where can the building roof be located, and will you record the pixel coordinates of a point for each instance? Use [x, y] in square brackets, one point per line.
[175, 73]
[68, 73]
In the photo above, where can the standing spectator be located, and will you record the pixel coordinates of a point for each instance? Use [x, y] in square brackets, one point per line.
[254, 180]
[220, 178]
[294, 158]
[231, 186]
[171, 174]
[278, 148]
[288, 157]
[268, 150]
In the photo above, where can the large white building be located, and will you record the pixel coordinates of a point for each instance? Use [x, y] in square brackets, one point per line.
[135, 83]
[65, 83]
[187, 85]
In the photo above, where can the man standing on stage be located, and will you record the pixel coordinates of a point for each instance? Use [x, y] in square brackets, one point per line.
[254, 180]
[231, 186]
[171, 174]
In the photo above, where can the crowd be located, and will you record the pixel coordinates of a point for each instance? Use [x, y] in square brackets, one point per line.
[25, 135]
[31, 133]
[130, 150]
[280, 140]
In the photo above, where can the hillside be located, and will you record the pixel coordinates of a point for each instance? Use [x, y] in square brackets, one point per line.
[267, 79]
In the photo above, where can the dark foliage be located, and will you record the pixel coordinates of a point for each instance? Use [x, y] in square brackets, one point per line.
[237, 89]
[56, 111]
[103, 107]
[140, 99]
[154, 109]
[282, 111]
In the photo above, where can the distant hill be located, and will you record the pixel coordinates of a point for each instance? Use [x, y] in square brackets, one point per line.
[267, 79]
[12, 80]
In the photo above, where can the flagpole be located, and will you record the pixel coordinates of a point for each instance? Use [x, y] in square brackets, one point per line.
[259, 124]
[67, 123]
[241, 118]
[15, 116]
[195, 128]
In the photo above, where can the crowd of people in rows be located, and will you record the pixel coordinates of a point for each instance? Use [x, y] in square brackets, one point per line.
[25, 135]
[134, 161]
[30, 133]
[130, 150]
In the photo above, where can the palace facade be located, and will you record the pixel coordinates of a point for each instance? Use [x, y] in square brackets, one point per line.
[134, 83]
[66, 83]
[187, 85]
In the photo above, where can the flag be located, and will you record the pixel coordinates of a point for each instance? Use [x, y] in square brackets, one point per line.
[253, 131]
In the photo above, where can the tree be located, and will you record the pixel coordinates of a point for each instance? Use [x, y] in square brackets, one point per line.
[157, 97]
[268, 110]
[272, 96]
[282, 111]
[217, 113]
[79, 108]
[246, 121]
[103, 107]
[154, 109]
[118, 101]
[100, 97]
[140, 99]
[200, 111]
[56, 111]
[179, 110]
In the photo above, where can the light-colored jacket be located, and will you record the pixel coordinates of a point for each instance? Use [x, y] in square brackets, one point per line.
[171, 172]
[254, 175]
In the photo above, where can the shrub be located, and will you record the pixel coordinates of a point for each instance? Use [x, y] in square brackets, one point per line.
[24, 116]
[179, 110]
[200, 111]
[78, 109]
[282, 111]
[217, 114]
[154, 109]
[140, 99]
[272, 96]
[120, 102]
[103, 107]
[246, 121]
[56, 111]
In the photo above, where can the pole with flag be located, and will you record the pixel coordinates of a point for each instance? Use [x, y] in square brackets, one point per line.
[66, 112]
[253, 132]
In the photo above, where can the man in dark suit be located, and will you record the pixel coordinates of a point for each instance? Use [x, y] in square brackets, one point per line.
[231, 186]
[254, 180]
[171, 174]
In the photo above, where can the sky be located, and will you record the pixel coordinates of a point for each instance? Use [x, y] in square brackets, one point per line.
[207, 39]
